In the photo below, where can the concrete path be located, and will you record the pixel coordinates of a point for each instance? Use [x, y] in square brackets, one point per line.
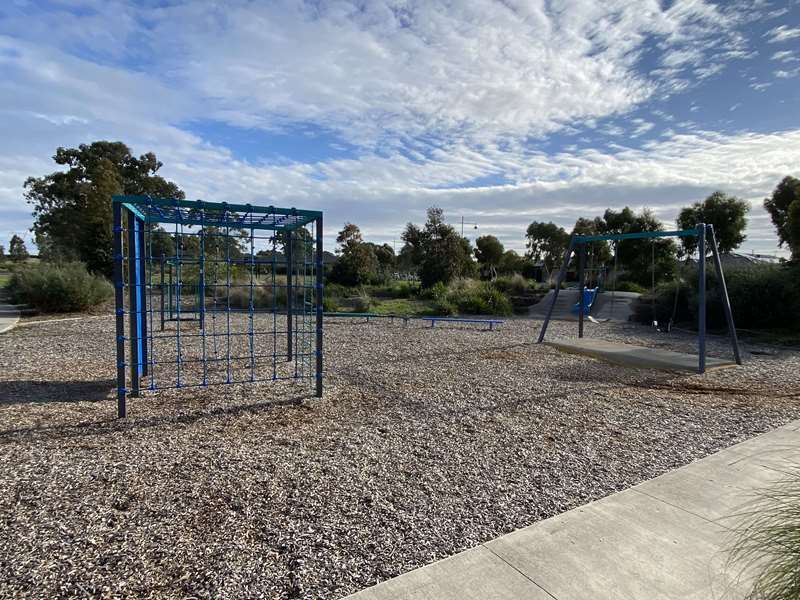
[663, 539]
[9, 316]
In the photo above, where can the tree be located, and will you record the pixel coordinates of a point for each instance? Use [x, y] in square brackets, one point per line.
[643, 259]
[784, 209]
[357, 263]
[386, 258]
[412, 252]
[16, 249]
[546, 243]
[489, 252]
[444, 254]
[72, 208]
[598, 254]
[511, 262]
[2, 252]
[726, 213]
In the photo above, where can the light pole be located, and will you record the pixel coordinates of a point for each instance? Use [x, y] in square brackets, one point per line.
[463, 222]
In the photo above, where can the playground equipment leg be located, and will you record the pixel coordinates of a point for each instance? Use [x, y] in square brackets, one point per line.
[561, 274]
[120, 312]
[701, 302]
[581, 286]
[133, 307]
[289, 292]
[320, 275]
[726, 302]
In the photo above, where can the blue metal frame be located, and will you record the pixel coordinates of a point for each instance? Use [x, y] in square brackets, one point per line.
[702, 231]
[132, 218]
[216, 214]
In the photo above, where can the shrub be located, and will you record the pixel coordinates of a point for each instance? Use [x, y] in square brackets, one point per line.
[262, 297]
[66, 287]
[396, 289]
[363, 302]
[769, 541]
[631, 286]
[330, 304]
[437, 291]
[442, 308]
[762, 297]
[480, 299]
[514, 284]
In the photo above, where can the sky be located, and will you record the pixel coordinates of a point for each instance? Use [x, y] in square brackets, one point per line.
[501, 112]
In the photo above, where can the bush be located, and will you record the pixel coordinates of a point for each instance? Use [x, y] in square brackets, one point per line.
[514, 284]
[396, 289]
[262, 297]
[363, 302]
[480, 299]
[330, 304]
[67, 287]
[437, 291]
[442, 308]
[630, 286]
[762, 297]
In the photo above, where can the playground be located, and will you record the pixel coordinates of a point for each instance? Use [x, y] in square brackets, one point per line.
[426, 441]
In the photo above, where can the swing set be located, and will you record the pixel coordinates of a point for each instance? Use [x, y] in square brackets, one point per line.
[634, 355]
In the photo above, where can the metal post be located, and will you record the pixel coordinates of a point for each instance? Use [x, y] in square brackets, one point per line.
[141, 271]
[169, 291]
[161, 285]
[119, 301]
[581, 286]
[289, 292]
[319, 284]
[133, 305]
[701, 301]
[726, 302]
[561, 274]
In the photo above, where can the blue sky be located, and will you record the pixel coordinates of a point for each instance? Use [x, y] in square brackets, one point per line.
[503, 112]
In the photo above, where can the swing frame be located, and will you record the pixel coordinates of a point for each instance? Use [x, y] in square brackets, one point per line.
[703, 232]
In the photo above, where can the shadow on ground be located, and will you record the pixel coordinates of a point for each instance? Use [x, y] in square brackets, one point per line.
[108, 423]
[27, 391]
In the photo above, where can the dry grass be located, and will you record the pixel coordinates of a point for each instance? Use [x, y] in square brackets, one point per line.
[427, 441]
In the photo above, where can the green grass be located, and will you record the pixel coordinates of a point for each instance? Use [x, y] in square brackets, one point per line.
[401, 306]
[4, 279]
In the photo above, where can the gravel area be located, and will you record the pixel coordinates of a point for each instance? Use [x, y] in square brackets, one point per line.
[427, 442]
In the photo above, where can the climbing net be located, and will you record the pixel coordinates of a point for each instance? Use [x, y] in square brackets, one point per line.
[215, 293]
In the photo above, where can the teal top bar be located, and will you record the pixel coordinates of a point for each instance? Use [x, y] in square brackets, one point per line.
[202, 213]
[582, 239]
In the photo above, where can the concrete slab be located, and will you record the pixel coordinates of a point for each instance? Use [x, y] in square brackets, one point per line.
[475, 574]
[638, 356]
[719, 487]
[9, 317]
[665, 539]
[625, 547]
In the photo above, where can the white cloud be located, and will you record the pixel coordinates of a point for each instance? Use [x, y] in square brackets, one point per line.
[785, 56]
[435, 95]
[782, 74]
[782, 33]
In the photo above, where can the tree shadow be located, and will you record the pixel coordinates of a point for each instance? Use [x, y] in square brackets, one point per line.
[27, 391]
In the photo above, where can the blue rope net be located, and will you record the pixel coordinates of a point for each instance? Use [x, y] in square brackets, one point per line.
[223, 294]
